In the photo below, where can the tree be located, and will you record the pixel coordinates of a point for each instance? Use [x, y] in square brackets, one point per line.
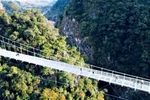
[21, 80]
[48, 94]
[117, 31]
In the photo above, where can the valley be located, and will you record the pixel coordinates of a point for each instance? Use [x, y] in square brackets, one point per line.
[112, 34]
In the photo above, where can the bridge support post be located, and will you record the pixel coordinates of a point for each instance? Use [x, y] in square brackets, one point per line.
[20, 47]
[135, 83]
[14, 46]
[101, 71]
[8, 45]
[123, 80]
[34, 52]
[111, 78]
[27, 52]
[149, 87]
[3, 42]
[21, 50]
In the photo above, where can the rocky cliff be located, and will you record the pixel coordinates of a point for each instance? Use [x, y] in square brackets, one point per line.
[70, 27]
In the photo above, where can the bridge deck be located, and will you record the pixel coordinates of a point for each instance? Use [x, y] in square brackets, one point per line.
[110, 77]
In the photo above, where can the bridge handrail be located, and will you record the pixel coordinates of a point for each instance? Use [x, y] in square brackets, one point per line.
[120, 73]
[21, 44]
[92, 66]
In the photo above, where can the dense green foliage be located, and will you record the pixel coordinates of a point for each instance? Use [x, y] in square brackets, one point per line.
[57, 10]
[22, 81]
[119, 31]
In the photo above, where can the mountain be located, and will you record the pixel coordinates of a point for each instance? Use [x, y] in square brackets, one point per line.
[57, 10]
[32, 3]
[115, 32]
[21, 5]
[23, 81]
[10, 6]
[35, 3]
[111, 33]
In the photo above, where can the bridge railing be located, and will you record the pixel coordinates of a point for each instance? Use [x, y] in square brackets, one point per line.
[11, 45]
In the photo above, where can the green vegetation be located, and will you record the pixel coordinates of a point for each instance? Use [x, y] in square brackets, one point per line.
[57, 10]
[23, 81]
[119, 31]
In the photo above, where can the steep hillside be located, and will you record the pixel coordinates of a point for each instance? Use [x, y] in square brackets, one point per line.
[111, 33]
[57, 10]
[23, 81]
[10, 7]
[17, 5]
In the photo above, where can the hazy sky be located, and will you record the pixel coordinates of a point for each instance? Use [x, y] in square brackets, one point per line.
[30, 0]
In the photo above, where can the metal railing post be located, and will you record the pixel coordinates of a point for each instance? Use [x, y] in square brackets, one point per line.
[135, 83]
[20, 48]
[149, 87]
[14, 46]
[8, 45]
[101, 71]
[111, 77]
[122, 84]
[3, 42]
[33, 52]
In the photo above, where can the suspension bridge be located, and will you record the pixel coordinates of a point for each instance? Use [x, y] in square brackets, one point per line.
[24, 53]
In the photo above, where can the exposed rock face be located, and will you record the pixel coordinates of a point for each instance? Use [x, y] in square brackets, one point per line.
[71, 29]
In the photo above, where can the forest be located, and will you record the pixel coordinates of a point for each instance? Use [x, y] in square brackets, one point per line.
[118, 30]
[117, 35]
[23, 81]
[57, 10]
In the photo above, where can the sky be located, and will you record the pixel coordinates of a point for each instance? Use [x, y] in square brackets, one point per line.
[50, 1]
